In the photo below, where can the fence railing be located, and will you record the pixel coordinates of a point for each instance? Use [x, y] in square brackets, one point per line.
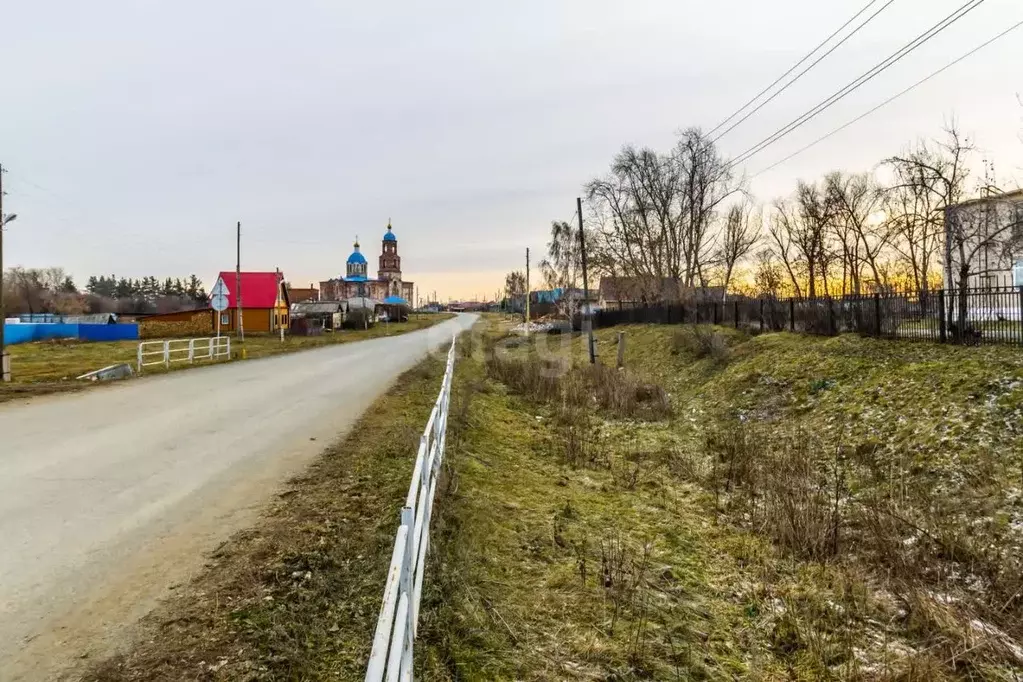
[170, 351]
[967, 316]
[399, 614]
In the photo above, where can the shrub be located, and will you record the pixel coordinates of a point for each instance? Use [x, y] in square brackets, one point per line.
[624, 395]
[786, 488]
[359, 318]
[701, 342]
[554, 379]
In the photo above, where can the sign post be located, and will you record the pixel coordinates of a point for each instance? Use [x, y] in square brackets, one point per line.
[218, 300]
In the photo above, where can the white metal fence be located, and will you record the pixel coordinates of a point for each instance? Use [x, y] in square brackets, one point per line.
[399, 615]
[182, 350]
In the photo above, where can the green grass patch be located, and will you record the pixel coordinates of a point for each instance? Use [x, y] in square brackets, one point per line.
[809, 508]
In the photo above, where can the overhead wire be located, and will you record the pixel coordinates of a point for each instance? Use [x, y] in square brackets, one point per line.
[794, 67]
[891, 99]
[872, 73]
[804, 71]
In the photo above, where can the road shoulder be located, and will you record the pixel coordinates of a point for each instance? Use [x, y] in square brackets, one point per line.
[296, 595]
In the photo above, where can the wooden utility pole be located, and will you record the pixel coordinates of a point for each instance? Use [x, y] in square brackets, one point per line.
[587, 316]
[527, 291]
[238, 286]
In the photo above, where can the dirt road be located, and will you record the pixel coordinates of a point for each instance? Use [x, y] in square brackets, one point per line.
[112, 497]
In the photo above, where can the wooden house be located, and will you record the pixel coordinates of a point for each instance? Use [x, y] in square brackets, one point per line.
[265, 302]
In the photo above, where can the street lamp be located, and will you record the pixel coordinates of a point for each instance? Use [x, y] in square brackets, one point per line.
[5, 362]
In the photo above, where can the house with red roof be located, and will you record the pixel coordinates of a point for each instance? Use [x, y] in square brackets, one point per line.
[264, 302]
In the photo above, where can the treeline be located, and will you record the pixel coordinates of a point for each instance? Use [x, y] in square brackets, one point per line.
[147, 288]
[52, 290]
[688, 217]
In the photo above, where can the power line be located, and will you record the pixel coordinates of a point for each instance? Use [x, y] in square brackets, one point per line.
[859, 82]
[801, 73]
[794, 67]
[891, 99]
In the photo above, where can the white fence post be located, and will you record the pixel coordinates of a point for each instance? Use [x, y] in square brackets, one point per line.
[166, 353]
[394, 641]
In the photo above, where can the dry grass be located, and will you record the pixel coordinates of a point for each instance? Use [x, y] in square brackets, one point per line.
[555, 379]
[788, 519]
[702, 341]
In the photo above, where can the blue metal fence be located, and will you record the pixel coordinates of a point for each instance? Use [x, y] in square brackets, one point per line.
[25, 333]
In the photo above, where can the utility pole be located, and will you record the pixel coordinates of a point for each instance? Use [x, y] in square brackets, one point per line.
[527, 291]
[5, 361]
[587, 317]
[238, 286]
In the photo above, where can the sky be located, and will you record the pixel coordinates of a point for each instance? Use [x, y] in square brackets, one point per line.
[137, 133]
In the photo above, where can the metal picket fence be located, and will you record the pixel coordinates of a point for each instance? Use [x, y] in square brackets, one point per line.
[399, 614]
[988, 315]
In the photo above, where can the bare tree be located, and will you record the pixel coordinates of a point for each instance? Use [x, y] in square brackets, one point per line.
[768, 274]
[941, 169]
[915, 223]
[515, 284]
[854, 202]
[783, 226]
[562, 268]
[740, 234]
[27, 292]
[657, 213]
[800, 229]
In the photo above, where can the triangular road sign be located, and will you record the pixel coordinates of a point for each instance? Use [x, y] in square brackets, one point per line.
[220, 289]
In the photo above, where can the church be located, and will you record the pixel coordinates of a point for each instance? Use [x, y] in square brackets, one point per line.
[387, 289]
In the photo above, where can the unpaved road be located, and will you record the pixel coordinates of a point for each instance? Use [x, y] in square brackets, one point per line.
[111, 497]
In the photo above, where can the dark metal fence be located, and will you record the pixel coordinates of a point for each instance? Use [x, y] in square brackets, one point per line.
[970, 316]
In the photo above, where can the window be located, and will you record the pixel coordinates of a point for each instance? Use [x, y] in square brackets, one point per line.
[225, 318]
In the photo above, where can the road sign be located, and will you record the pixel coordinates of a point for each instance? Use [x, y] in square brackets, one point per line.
[218, 297]
[220, 289]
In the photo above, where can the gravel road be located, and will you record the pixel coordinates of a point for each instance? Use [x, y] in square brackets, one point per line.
[111, 497]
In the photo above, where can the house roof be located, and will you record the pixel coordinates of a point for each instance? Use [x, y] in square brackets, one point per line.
[395, 300]
[316, 307]
[1013, 197]
[635, 289]
[638, 288]
[259, 289]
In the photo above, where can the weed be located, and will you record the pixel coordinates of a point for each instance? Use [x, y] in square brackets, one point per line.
[699, 341]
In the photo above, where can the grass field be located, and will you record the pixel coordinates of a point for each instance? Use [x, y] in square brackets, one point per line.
[806, 509]
[52, 366]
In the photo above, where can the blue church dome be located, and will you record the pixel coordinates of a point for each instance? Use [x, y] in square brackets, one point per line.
[356, 256]
[389, 237]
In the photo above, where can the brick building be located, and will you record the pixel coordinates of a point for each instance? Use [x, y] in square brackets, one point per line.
[388, 288]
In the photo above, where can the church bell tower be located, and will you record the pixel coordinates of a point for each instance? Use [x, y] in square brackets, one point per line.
[390, 261]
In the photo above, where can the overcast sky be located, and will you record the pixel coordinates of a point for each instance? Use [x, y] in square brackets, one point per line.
[137, 132]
